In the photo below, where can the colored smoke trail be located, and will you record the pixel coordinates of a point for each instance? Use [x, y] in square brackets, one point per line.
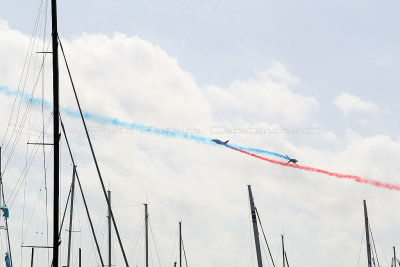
[337, 175]
[133, 126]
[258, 151]
[200, 139]
[111, 121]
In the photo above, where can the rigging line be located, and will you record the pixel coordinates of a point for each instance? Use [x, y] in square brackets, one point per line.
[184, 253]
[40, 23]
[23, 207]
[31, 55]
[21, 179]
[265, 238]
[22, 73]
[32, 214]
[26, 168]
[382, 250]
[173, 255]
[17, 137]
[65, 211]
[373, 242]
[81, 190]
[32, 130]
[137, 239]
[20, 183]
[102, 234]
[156, 244]
[151, 257]
[24, 83]
[23, 217]
[90, 220]
[26, 160]
[265, 252]
[94, 158]
[24, 179]
[241, 242]
[78, 211]
[29, 100]
[359, 253]
[139, 248]
[71, 213]
[135, 236]
[89, 258]
[43, 132]
[124, 206]
[114, 255]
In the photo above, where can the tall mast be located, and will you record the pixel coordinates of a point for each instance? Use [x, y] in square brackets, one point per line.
[255, 227]
[367, 235]
[180, 244]
[56, 132]
[109, 228]
[80, 257]
[283, 251]
[146, 222]
[394, 257]
[33, 250]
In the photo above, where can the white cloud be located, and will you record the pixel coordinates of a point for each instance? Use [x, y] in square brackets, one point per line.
[14, 45]
[348, 103]
[268, 98]
[147, 85]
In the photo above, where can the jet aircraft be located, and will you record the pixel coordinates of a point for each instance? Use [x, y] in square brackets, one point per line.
[291, 160]
[219, 142]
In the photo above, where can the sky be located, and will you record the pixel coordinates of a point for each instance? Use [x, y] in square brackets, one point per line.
[316, 80]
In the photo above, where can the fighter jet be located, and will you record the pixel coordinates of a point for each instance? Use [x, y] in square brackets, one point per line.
[219, 142]
[291, 160]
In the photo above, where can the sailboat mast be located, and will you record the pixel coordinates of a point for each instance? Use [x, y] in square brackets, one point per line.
[180, 244]
[146, 222]
[394, 256]
[283, 251]
[367, 235]
[255, 227]
[109, 228]
[33, 250]
[56, 132]
[80, 257]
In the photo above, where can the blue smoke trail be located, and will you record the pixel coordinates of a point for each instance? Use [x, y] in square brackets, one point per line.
[139, 127]
[135, 126]
[259, 151]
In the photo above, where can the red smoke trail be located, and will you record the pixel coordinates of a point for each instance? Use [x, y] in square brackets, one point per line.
[337, 175]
